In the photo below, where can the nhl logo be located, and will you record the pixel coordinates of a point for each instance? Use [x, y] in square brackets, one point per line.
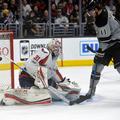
[24, 50]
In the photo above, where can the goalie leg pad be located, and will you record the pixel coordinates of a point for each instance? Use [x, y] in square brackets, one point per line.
[27, 96]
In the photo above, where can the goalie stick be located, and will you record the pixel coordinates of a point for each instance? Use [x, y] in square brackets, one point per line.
[50, 88]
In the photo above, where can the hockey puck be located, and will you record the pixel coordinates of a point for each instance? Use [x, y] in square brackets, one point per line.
[0, 58]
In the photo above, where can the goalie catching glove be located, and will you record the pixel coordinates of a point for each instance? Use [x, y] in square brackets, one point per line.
[66, 84]
[71, 88]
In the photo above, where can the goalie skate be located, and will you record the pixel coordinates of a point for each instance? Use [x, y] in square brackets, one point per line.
[27, 96]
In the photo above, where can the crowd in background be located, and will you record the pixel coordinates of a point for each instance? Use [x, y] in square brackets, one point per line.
[37, 11]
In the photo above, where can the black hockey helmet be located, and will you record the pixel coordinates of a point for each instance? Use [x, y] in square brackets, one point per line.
[92, 4]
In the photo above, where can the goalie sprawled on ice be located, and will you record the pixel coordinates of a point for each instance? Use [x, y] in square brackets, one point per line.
[40, 72]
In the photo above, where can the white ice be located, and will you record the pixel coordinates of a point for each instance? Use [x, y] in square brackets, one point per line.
[104, 106]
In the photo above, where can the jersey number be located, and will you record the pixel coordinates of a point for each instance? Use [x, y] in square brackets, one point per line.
[37, 58]
[103, 32]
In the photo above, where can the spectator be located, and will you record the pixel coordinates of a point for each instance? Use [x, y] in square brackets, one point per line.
[61, 4]
[28, 22]
[63, 8]
[69, 7]
[45, 18]
[5, 8]
[41, 5]
[74, 17]
[13, 7]
[31, 18]
[7, 16]
[53, 12]
[26, 8]
[83, 10]
[62, 21]
[38, 13]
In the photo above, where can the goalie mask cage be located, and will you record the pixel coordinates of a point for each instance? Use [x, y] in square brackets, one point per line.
[6, 53]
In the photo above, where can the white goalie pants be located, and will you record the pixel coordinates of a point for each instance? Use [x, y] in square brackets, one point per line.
[39, 73]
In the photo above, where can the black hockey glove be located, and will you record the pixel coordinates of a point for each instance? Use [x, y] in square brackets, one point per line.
[99, 56]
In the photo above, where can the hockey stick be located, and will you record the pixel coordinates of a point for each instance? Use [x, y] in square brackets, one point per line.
[15, 63]
[50, 88]
[90, 49]
[83, 98]
[93, 51]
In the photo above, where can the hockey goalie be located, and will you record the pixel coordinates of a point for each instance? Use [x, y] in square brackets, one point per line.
[39, 74]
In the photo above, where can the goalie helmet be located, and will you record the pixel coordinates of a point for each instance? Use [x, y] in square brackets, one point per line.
[55, 47]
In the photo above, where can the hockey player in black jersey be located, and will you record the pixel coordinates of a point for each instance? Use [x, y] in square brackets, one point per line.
[108, 33]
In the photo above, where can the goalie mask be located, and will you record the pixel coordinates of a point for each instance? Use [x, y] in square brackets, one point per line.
[55, 47]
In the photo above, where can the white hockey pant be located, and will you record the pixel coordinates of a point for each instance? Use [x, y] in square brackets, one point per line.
[39, 74]
[41, 79]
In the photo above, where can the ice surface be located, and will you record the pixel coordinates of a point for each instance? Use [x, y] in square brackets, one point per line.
[104, 106]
